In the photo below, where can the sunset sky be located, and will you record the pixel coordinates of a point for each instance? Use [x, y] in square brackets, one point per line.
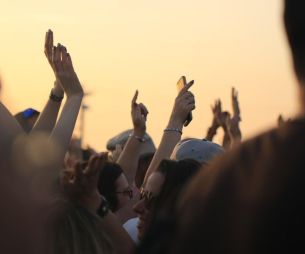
[118, 46]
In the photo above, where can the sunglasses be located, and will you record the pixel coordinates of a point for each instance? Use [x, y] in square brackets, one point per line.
[127, 192]
[148, 198]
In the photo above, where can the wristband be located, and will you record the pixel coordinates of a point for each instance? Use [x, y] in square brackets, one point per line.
[55, 98]
[141, 139]
[173, 129]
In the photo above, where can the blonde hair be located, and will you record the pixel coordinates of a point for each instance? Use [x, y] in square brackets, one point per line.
[74, 230]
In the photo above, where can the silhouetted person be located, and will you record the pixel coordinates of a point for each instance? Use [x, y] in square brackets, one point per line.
[252, 199]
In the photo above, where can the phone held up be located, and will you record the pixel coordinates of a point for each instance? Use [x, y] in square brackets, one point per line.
[180, 84]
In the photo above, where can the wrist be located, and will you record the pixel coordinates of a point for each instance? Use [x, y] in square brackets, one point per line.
[215, 125]
[56, 96]
[176, 124]
[140, 132]
[57, 91]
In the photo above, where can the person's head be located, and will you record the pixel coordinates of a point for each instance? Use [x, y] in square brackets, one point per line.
[73, 229]
[143, 165]
[27, 119]
[200, 150]
[120, 140]
[294, 20]
[114, 186]
[159, 195]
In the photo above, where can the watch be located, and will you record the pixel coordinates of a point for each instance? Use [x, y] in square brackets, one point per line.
[55, 98]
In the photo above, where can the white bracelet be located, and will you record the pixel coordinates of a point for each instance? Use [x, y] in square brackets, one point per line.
[141, 139]
[173, 129]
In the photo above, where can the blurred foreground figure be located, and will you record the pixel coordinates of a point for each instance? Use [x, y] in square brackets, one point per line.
[252, 199]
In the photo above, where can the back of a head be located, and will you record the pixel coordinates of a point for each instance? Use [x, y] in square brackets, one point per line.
[143, 165]
[294, 19]
[200, 150]
[177, 174]
[27, 119]
[74, 230]
[120, 139]
[162, 224]
[106, 184]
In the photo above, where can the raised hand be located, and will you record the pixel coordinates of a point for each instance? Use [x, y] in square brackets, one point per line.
[64, 71]
[235, 104]
[139, 115]
[81, 182]
[184, 104]
[48, 51]
[217, 110]
[61, 63]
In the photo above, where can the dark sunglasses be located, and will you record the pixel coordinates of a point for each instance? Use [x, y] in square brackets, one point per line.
[148, 198]
[127, 192]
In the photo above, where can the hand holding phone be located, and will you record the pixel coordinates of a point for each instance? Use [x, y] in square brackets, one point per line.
[180, 85]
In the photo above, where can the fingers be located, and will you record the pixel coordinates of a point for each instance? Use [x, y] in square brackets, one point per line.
[91, 164]
[63, 55]
[134, 99]
[143, 109]
[234, 94]
[56, 59]
[48, 44]
[186, 87]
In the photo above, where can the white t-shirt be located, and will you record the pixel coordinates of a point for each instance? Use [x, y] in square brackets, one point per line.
[131, 227]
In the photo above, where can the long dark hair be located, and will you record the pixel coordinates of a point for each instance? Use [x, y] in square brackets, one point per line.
[106, 184]
[162, 223]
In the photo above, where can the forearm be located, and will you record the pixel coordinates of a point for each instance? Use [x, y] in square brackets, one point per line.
[226, 142]
[129, 157]
[211, 132]
[47, 117]
[168, 142]
[63, 130]
[235, 136]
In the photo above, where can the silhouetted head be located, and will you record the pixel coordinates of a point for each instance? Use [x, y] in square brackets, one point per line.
[114, 186]
[27, 119]
[161, 191]
[294, 19]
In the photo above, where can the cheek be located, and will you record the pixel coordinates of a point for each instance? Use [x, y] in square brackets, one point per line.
[122, 200]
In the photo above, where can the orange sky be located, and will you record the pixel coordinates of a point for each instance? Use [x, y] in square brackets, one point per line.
[119, 46]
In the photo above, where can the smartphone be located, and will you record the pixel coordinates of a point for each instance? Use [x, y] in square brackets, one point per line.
[180, 84]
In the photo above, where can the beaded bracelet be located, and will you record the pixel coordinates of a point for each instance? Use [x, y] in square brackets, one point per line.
[141, 139]
[173, 129]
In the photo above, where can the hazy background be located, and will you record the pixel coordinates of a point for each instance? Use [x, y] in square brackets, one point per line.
[118, 46]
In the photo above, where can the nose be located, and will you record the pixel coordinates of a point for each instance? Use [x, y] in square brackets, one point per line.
[139, 207]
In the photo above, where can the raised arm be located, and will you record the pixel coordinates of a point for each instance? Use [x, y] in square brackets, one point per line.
[82, 188]
[65, 74]
[184, 104]
[216, 110]
[129, 157]
[233, 124]
[48, 116]
[9, 128]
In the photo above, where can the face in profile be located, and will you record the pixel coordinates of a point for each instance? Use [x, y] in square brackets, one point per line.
[148, 195]
[123, 191]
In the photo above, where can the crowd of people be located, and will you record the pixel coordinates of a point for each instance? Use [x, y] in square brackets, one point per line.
[183, 196]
